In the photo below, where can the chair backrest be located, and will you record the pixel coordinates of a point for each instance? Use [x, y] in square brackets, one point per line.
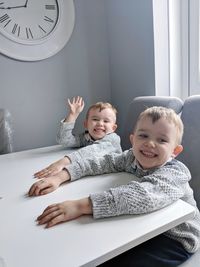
[6, 133]
[141, 103]
[191, 142]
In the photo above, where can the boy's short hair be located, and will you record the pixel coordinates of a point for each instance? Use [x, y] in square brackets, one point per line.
[101, 106]
[157, 112]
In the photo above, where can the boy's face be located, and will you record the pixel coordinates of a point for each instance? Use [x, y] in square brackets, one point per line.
[100, 123]
[154, 143]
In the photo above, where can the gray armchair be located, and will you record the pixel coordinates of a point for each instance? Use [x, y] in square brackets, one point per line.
[190, 154]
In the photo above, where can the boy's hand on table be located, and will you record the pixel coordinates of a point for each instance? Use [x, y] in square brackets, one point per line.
[65, 211]
[49, 184]
[53, 169]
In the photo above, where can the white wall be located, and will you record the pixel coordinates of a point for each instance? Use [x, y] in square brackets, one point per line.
[109, 57]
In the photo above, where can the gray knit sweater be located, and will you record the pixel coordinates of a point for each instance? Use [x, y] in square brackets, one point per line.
[148, 191]
[89, 147]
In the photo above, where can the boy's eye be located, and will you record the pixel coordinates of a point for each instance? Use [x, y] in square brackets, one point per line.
[161, 140]
[143, 135]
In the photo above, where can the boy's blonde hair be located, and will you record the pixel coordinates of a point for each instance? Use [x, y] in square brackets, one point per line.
[100, 106]
[155, 113]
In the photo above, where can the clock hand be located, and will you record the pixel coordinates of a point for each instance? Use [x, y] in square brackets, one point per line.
[26, 3]
[12, 7]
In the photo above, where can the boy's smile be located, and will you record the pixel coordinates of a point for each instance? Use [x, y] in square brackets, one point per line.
[154, 143]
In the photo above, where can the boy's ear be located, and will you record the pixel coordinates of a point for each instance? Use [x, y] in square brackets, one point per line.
[177, 150]
[85, 124]
[114, 127]
[131, 137]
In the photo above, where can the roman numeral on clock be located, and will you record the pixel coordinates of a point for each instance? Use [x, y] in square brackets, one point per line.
[42, 28]
[4, 18]
[29, 33]
[48, 19]
[14, 28]
[50, 7]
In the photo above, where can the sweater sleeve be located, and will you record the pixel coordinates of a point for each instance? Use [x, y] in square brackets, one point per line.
[95, 165]
[65, 135]
[109, 144]
[151, 192]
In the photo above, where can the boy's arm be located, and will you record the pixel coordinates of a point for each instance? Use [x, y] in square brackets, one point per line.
[113, 139]
[65, 135]
[95, 165]
[152, 192]
[98, 148]
[142, 195]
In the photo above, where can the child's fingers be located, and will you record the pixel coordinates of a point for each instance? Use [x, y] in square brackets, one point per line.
[51, 216]
[82, 103]
[55, 220]
[47, 190]
[69, 102]
[37, 188]
[39, 175]
[41, 172]
[46, 217]
[44, 173]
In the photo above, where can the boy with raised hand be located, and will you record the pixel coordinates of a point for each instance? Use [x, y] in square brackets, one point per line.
[99, 138]
[159, 180]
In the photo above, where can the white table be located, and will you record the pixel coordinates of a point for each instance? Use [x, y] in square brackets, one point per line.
[82, 242]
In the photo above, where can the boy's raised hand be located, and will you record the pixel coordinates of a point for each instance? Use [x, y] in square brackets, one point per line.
[76, 105]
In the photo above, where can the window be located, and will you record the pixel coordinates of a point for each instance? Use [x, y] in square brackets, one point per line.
[176, 44]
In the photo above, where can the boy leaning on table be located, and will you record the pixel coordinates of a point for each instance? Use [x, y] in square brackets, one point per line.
[159, 180]
[99, 136]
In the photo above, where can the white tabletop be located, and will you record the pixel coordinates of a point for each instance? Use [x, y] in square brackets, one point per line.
[81, 242]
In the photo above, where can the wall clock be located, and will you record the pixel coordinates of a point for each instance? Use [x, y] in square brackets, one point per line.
[32, 30]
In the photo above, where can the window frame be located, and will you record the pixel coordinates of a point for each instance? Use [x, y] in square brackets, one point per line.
[194, 64]
[171, 47]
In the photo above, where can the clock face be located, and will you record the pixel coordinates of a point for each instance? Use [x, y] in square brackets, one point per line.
[32, 30]
[28, 21]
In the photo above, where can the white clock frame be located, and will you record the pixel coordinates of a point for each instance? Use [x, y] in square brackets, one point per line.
[49, 45]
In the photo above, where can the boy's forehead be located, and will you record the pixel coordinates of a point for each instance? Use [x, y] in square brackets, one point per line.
[151, 120]
[147, 121]
[104, 111]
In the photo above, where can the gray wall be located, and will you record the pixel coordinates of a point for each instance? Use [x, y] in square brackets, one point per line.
[131, 52]
[109, 57]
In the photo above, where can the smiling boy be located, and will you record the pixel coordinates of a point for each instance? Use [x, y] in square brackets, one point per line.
[160, 181]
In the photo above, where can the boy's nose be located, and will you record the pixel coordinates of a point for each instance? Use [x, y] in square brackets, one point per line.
[100, 122]
[150, 143]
